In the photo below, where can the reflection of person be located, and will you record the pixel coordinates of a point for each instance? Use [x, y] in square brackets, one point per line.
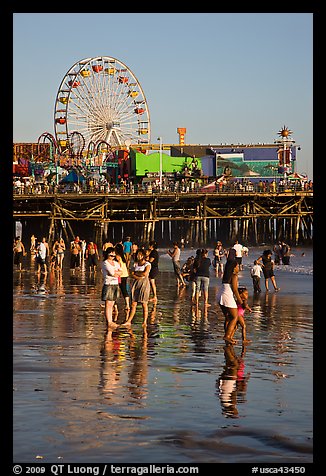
[232, 383]
[140, 288]
[138, 374]
[40, 287]
[110, 291]
[152, 315]
[111, 356]
[228, 298]
[268, 268]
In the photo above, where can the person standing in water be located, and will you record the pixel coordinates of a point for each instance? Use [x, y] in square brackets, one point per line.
[201, 267]
[19, 252]
[175, 255]
[123, 282]
[110, 291]
[92, 256]
[255, 273]
[219, 253]
[268, 268]
[229, 298]
[243, 292]
[153, 258]
[140, 289]
[127, 244]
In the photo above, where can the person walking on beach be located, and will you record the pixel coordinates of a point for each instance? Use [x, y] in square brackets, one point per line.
[219, 253]
[123, 281]
[75, 251]
[19, 252]
[268, 268]
[201, 268]
[92, 256]
[238, 253]
[127, 244]
[140, 289]
[286, 253]
[228, 298]
[33, 243]
[255, 273]
[175, 255]
[42, 255]
[110, 291]
[58, 249]
[153, 258]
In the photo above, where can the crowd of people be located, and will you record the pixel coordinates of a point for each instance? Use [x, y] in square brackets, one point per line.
[28, 185]
[130, 271]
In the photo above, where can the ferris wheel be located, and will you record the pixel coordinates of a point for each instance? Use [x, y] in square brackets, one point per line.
[102, 100]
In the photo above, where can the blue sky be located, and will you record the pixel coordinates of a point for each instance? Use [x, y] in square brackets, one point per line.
[226, 77]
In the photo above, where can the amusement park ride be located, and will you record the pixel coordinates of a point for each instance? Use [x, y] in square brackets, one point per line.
[100, 113]
[101, 118]
[100, 108]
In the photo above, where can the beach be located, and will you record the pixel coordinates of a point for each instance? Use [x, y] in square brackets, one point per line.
[85, 395]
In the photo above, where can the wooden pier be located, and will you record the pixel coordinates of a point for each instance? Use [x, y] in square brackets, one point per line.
[199, 218]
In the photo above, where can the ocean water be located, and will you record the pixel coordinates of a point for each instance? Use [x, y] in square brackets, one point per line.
[173, 393]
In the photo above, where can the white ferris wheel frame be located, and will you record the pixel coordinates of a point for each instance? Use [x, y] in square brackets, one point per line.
[101, 99]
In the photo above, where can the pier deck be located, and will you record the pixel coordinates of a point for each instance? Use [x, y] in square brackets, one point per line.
[250, 215]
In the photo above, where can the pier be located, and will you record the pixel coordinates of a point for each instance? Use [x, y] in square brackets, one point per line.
[196, 217]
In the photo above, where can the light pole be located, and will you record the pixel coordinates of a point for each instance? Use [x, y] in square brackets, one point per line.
[161, 162]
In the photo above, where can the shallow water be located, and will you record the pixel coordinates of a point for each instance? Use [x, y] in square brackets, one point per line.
[84, 395]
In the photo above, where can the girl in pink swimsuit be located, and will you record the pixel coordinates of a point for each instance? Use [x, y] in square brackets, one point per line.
[243, 292]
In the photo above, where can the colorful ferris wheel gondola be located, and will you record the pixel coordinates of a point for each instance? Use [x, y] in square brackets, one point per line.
[101, 99]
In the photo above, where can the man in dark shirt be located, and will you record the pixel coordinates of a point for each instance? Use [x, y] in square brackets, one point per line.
[201, 267]
[153, 258]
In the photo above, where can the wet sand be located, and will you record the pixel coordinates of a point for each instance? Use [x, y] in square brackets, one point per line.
[173, 394]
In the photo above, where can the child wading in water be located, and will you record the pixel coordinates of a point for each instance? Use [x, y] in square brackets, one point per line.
[243, 293]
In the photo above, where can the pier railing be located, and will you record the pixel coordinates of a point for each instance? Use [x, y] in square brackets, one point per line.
[235, 187]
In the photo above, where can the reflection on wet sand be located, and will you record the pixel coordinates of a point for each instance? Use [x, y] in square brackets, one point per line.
[232, 384]
[141, 393]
